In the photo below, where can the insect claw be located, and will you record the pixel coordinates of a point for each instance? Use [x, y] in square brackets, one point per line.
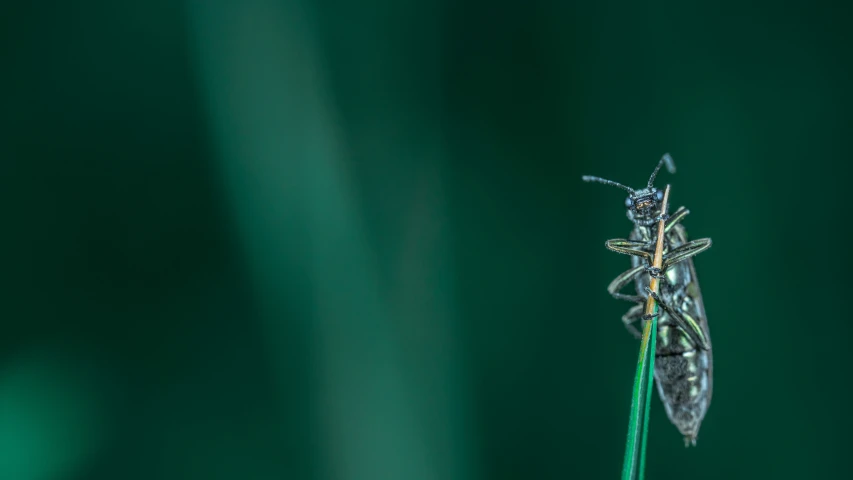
[655, 272]
[649, 316]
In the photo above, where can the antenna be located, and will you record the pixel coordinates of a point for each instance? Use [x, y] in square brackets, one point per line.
[670, 166]
[587, 178]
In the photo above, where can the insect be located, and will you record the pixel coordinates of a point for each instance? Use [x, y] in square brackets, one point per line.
[683, 363]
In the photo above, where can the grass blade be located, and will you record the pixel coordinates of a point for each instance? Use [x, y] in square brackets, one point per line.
[653, 335]
[634, 464]
[638, 423]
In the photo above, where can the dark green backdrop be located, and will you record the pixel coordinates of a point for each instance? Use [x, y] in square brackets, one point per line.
[349, 240]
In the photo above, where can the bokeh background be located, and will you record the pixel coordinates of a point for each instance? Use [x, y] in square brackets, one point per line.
[348, 240]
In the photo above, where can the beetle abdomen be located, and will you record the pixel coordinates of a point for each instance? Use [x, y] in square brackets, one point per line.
[684, 385]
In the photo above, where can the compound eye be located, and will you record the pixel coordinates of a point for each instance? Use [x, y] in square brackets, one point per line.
[659, 195]
[629, 202]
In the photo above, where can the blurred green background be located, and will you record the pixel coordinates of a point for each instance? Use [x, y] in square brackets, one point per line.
[349, 240]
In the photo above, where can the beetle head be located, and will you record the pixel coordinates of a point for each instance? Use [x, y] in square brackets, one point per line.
[643, 205]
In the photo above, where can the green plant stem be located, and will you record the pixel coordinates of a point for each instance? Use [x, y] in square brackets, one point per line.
[634, 464]
[635, 449]
[652, 348]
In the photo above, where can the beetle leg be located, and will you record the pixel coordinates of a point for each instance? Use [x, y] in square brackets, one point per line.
[623, 279]
[685, 251]
[634, 314]
[629, 247]
[685, 322]
[675, 218]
